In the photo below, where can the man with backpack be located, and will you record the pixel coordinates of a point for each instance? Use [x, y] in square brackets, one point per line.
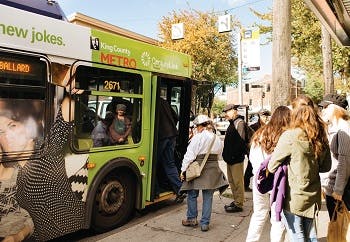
[235, 149]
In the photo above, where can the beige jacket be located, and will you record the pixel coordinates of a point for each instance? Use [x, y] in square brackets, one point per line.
[303, 191]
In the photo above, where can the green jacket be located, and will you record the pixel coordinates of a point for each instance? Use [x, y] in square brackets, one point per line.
[303, 189]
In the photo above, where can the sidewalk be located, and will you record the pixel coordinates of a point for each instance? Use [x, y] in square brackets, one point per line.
[224, 227]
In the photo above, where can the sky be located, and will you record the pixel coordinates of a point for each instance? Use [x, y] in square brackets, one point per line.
[143, 16]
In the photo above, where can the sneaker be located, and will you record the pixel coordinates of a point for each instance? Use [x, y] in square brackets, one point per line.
[190, 222]
[180, 197]
[233, 209]
[204, 227]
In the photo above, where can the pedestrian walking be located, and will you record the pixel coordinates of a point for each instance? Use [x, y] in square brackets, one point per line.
[304, 146]
[335, 183]
[262, 145]
[235, 149]
[211, 178]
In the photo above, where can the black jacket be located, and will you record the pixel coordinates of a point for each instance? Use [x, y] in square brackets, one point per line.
[167, 120]
[235, 143]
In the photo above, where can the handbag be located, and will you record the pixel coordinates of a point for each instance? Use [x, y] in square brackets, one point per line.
[339, 227]
[194, 169]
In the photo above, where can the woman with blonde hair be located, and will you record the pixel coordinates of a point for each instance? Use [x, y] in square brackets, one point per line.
[304, 146]
[263, 143]
[335, 182]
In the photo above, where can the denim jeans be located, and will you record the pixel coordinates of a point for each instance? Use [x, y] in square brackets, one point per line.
[192, 211]
[300, 229]
[166, 158]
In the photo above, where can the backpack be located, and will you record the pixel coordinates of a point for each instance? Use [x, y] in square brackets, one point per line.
[248, 130]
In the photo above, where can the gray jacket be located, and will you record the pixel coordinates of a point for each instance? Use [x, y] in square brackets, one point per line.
[338, 178]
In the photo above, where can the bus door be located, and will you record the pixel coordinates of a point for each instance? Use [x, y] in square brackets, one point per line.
[177, 94]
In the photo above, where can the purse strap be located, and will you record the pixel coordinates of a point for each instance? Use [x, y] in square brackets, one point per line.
[207, 154]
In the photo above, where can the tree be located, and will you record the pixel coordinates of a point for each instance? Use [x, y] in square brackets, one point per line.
[314, 87]
[306, 45]
[218, 106]
[214, 59]
[281, 73]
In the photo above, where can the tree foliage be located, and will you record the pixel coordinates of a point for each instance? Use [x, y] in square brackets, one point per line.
[214, 59]
[307, 47]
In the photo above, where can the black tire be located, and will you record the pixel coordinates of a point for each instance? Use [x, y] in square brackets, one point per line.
[222, 132]
[114, 202]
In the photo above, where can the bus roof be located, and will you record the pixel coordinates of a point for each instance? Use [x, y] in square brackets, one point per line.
[47, 8]
[28, 31]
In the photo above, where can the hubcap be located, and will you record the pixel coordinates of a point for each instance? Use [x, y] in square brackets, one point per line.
[112, 197]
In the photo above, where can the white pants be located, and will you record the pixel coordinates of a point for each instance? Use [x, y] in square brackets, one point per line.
[261, 207]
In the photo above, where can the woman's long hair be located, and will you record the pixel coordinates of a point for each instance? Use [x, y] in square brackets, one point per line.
[267, 136]
[306, 117]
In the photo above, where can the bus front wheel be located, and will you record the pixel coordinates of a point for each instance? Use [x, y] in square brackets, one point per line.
[114, 202]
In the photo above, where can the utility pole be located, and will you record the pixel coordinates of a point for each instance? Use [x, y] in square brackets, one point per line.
[281, 49]
[327, 61]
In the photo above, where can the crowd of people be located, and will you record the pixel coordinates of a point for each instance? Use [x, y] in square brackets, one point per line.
[307, 147]
[311, 143]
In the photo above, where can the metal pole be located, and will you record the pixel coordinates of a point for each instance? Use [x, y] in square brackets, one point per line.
[240, 93]
[262, 99]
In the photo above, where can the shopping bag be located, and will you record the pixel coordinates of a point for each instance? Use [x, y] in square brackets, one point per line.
[339, 227]
[193, 171]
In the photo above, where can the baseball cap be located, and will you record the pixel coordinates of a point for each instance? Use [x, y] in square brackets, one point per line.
[336, 99]
[228, 107]
[200, 119]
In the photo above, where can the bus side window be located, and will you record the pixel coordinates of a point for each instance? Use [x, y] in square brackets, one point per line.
[85, 121]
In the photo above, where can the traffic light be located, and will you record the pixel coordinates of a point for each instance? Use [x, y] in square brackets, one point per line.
[247, 87]
[263, 95]
[267, 87]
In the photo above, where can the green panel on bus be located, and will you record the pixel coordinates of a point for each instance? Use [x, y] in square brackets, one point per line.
[120, 51]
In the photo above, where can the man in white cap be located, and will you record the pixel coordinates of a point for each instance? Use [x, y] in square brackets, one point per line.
[211, 178]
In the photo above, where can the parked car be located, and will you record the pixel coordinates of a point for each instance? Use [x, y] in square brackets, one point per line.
[221, 125]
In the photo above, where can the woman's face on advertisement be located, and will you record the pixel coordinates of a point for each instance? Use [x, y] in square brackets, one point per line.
[13, 135]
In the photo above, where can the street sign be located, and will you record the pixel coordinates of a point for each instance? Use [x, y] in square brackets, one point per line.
[177, 31]
[250, 49]
[224, 23]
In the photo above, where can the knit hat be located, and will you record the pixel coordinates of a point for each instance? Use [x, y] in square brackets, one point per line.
[336, 99]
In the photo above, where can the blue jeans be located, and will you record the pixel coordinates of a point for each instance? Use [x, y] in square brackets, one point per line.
[300, 229]
[192, 211]
[166, 158]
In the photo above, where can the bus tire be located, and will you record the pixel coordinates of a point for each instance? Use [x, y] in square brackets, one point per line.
[114, 202]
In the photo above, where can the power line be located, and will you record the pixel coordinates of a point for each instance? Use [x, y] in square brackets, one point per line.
[240, 6]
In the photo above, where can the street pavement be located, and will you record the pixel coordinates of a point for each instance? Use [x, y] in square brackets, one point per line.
[223, 226]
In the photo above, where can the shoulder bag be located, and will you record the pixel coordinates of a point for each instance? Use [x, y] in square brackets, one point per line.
[339, 226]
[194, 169]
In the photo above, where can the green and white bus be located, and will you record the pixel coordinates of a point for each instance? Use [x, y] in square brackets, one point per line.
[37, 55]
